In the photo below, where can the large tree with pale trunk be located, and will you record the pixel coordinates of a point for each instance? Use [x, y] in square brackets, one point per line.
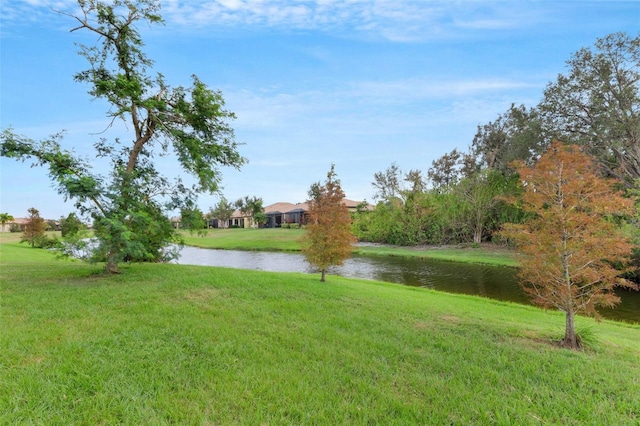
[571, 253]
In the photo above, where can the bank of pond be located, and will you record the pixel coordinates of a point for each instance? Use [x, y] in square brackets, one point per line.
[494, 282]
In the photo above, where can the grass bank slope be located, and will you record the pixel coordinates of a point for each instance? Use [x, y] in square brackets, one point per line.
[276, 239]
[284, 239]
[172, 344]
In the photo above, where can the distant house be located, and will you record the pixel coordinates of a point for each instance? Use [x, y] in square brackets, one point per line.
[16, 225]
[352, 206]
[280, 214]
[176, 221]
[286, 214]
[297, 215]
[240, 220]
[276, 214]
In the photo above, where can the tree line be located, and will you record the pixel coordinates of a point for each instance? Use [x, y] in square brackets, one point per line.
[595, 105]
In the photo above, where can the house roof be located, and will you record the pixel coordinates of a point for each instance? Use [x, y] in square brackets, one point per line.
[19, 221]
[280, 207]
[354, 204]
[236, 214]
[283, 207]
[301, 206]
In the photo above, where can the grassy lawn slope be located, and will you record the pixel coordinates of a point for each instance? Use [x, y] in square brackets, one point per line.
[283, 239]
[171, 344]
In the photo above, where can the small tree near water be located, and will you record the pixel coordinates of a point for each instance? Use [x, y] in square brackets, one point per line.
[328, 236]
[570, 253]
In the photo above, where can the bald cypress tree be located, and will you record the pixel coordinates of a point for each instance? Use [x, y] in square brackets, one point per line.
[571, 255]
[34, 229]
[328, 236]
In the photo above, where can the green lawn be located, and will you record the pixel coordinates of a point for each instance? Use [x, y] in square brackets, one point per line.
[283, 239]
[173, 344]
[485, 254]
[274, 239]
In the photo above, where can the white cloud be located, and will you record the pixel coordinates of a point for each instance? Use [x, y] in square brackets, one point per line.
[396, 20]
[421, 89]
[368, 112]
[232, 4]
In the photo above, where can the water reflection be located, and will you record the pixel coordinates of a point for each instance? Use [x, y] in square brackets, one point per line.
[489, 281]
[256, 260]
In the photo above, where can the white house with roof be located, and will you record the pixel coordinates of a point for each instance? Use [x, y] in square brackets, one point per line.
[284, 214]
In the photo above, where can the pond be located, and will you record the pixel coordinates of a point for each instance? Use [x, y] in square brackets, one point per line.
[488, 281]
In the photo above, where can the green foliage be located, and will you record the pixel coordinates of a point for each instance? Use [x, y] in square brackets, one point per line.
[142, 234]
[437, 218]
[288, 225]
[596, 104]
[392, 224]
[478, 199]
[222, 211]
[70, 225]
[260, 218]
[128, 205]
[192, 219]
[5, 218]
[404, 216]
[250, 206]
[387, 183]
[446, 171]
[516, 135]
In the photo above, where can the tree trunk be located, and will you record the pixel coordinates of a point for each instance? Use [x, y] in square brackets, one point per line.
[112, 264]
[322, 276]
[479, 227]
[477, 235]
[570, 338]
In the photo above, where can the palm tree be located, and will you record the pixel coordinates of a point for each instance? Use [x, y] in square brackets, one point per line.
[4, 219]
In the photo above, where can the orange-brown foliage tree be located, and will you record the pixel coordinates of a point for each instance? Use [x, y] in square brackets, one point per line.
[34, 228]
[570, 252]
[328, 238]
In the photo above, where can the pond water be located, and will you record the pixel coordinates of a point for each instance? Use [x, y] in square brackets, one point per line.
[489, 281]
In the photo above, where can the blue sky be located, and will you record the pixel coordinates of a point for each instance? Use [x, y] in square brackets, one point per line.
[358, 83]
